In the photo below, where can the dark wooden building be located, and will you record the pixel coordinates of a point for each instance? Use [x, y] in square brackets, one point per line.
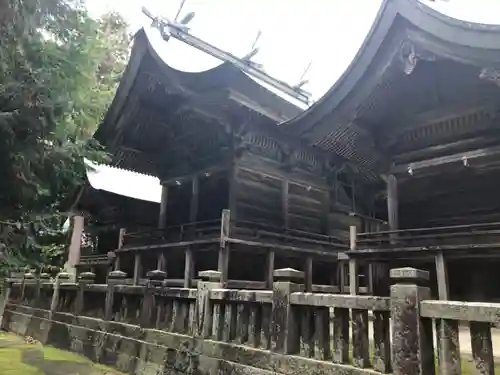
[419, 106]
[239, 194]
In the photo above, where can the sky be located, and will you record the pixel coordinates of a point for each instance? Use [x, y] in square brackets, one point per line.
[326, 33]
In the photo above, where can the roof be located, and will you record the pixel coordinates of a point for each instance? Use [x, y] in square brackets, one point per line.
[225, 78]
[125, 183]
[155, 102]
[407, 43]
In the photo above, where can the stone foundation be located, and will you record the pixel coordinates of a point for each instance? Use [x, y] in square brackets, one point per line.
[135, 350]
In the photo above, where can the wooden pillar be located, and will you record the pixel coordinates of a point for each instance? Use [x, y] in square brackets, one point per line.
[223, 261]
[353, 263]
[447, 332]
[193, 207]
[162, 219]
[76, 240]
[188, 267]
[137, 268]
[353, 277]
[162, 262]
[442, 277]
[308, 274]
[121, 237]
[392, 204]
[120, 245]
[342, 275]
[284, 202]
[269, 268]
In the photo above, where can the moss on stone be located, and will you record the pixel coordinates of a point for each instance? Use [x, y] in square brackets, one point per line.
[20, 358]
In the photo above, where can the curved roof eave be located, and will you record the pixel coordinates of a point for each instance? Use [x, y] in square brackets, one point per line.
[445, 31]
[224, 75]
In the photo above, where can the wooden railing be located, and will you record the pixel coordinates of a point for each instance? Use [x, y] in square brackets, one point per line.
[253, 230]
[237, 229]
[470, 235]
[176, 233]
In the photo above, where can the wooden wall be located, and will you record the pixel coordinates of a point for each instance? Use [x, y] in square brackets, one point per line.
[257, 197]
[266, 193]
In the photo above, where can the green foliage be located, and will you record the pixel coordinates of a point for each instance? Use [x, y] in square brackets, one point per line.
[58, 72]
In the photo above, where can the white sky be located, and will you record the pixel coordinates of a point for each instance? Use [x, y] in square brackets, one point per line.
[294, 32]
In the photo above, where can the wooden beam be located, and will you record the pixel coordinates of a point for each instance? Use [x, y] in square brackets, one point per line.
[455, 158]
[467, 144]
[440, 115]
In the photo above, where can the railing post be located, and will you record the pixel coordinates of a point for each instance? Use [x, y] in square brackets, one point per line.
[6, 296]
[155, 279]
[42, 279]
[284, 325]
[114, 278]
[84, 279]
[204, 312]
[62, 276]
[412, 342]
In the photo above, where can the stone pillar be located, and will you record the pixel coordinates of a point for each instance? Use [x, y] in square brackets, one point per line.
[76, 240]
[162, 219]
[412, 343]
[43, 279]
[114, 278]
[284, 324]
[204, 315]
[84, 279]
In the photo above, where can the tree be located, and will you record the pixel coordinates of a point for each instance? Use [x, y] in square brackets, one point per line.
[58, 71]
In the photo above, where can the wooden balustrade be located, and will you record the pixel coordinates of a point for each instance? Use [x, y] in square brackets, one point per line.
[457, 236]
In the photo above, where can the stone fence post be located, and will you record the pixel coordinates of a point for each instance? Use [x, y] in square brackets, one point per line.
[155, 279]
[284, 325]
[84, 279]
[114, 278]
[412, 349]
[204, 311]
[61, 277]
[42, 279]
[6, 296]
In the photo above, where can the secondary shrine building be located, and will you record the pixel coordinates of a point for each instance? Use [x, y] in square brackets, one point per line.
[239, 195]
[404, 148]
